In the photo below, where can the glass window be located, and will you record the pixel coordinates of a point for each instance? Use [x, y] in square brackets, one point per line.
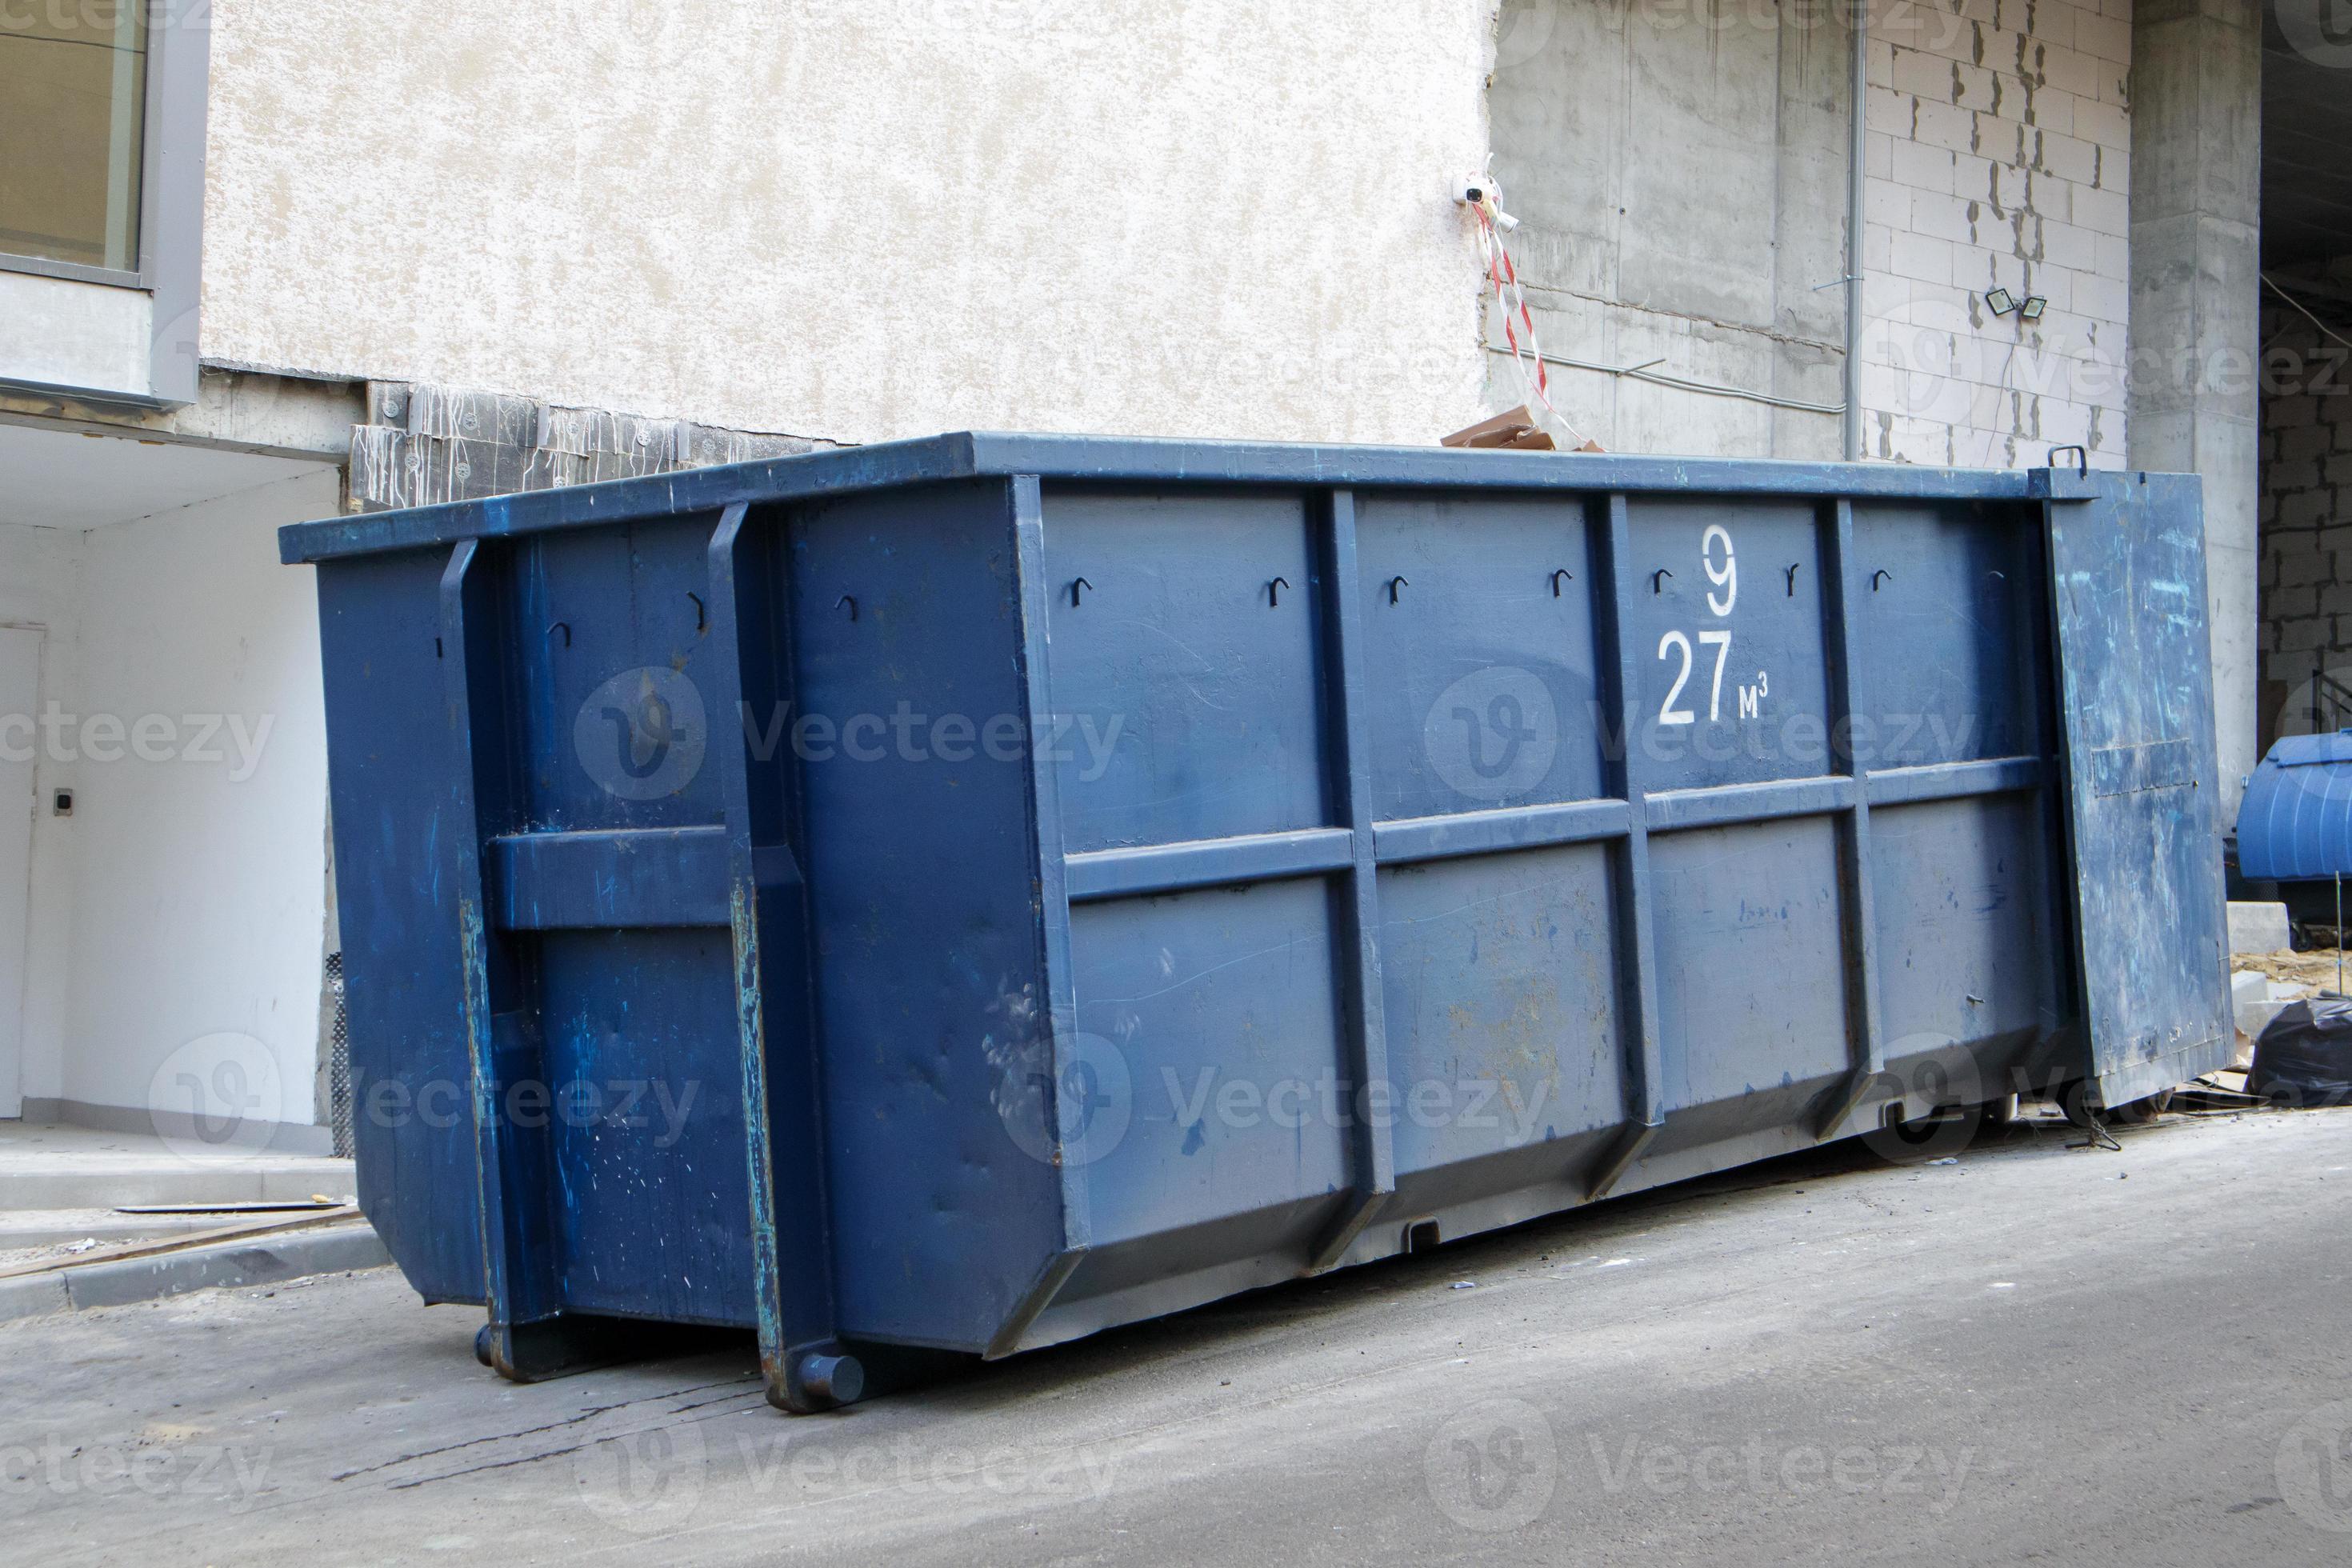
[73, 88]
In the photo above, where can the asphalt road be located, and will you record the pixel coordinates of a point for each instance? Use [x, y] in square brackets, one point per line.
[2034, 1353]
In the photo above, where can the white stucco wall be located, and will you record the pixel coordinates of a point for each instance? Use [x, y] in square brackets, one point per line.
[827, 218]
[40, 585]
[199, 901]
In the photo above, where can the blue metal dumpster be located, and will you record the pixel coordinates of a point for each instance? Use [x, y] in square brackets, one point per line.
[967, 893]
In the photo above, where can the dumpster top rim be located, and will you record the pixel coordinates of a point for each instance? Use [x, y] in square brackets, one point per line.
[976, 454]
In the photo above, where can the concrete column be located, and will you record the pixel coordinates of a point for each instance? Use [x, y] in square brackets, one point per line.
[2196, 195]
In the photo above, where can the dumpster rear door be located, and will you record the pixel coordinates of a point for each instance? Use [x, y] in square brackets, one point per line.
[2127, 573]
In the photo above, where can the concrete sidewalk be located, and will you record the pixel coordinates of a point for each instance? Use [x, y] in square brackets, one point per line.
[2142, 1357]
[62, 1190]
[44, 1167]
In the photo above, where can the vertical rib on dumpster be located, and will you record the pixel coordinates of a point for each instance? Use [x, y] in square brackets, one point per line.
[1371, 1143]
[1050, 909]
[1645, 1107]
[784, 1115]
[526, 1337]
[1868, 1040]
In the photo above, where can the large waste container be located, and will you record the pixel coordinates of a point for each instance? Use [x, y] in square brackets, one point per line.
[970, 892]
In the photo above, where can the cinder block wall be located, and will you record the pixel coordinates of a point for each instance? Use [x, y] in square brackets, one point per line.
[2306, 518]
[1999, 157]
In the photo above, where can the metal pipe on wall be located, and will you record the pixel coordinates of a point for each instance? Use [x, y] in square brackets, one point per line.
[1853, 210]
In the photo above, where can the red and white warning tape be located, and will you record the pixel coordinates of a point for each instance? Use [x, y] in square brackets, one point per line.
[1519, 320]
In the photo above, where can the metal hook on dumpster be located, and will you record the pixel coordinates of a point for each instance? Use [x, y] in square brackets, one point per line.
[699, 621]
[563, 626]
[1396, 582]
[2081, 458]
[845, 599]
[1874, 576]
[1274, 590]
[1792, 577]
[1556, 577]
[1076, 584]
[1656, 584]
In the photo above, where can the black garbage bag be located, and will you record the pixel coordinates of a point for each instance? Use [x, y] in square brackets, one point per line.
[2304, 1054]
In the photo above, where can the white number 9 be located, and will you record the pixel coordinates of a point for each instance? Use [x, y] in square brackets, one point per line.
[1723, 573]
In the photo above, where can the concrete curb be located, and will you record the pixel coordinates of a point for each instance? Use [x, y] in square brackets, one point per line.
[252, 1260]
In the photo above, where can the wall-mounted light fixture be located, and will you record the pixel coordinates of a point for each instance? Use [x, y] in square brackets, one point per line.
[2001, 303]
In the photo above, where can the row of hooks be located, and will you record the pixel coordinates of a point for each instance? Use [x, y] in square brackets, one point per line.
[1274, 590]
[1079, 586]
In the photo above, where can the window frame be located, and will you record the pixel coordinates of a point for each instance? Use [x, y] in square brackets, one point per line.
[171, 196]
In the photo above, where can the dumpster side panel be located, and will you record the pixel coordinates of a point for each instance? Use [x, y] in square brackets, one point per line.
[913, 742]
[1222, 1002]
[1952, 688]
[1187, 663]
[1751, 972]
[1485, 685]
[1966, 938]
[388, 775]
[1500, 975]
[1946, 656]
[1726, 624]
